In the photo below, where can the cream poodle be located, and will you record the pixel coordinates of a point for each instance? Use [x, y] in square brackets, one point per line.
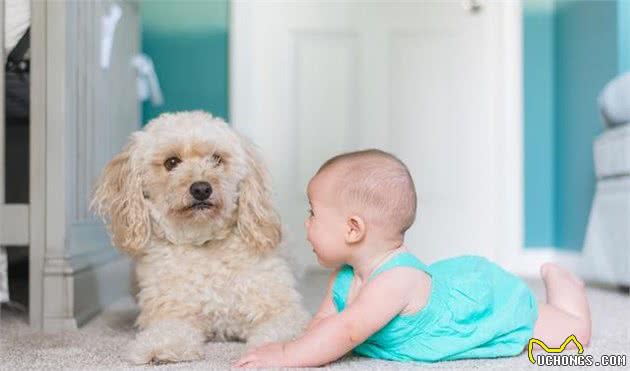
[188, 198]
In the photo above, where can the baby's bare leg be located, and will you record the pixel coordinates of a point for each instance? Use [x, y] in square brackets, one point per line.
[566, 311]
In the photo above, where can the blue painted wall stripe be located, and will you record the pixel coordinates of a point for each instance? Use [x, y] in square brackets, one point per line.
[623, 24]
[571, 49]
[539, 105]
[188, 41]
[586, 58]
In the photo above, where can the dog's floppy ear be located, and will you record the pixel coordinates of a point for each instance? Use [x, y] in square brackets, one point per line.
[118, 198]
[258, 223]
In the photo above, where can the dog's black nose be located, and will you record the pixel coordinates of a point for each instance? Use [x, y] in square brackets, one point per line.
[201, 190]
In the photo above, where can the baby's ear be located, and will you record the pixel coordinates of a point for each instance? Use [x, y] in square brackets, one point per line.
[118, 198]
[355, 229]
[258, 222]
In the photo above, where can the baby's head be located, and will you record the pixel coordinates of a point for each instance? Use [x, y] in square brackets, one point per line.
[362, 198]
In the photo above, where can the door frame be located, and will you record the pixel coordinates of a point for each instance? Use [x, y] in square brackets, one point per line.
[37, 172]
[508, 90]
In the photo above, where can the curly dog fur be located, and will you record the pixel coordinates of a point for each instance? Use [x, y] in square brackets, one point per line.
[206, 270]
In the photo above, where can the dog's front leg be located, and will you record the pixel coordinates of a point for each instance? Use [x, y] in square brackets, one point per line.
[284, 326]
[170, 340]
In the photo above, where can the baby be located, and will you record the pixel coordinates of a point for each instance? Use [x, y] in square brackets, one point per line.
[383, 302]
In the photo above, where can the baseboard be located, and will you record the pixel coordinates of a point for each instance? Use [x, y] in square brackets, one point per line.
[100, 285]
[588, 266]
[77, 289]
[526, 263]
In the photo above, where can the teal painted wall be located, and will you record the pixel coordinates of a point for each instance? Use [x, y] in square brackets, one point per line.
[623, 24]
[571, 49]
[586, 59]
[188, 42]
[539, 117]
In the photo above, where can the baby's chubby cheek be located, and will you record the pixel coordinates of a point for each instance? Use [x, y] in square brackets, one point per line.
[314, 247]
[309, 235]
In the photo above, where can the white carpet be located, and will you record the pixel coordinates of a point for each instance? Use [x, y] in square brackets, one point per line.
[99, 344]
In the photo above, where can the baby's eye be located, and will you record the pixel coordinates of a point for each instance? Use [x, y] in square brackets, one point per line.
[310, 212]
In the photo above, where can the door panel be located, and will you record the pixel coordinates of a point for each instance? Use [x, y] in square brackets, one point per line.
[312, 79]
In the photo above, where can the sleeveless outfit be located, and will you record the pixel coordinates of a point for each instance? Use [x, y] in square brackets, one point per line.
[475, 310]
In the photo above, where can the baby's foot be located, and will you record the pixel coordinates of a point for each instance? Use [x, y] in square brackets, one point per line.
[566, 292]
[552, 272]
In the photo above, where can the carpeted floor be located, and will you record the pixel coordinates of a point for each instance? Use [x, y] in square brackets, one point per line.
[99, 344]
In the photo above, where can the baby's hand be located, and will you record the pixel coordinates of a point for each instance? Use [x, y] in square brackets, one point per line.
[268, 355]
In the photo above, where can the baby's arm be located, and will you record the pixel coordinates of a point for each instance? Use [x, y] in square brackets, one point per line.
[333, 336]
[327, 307]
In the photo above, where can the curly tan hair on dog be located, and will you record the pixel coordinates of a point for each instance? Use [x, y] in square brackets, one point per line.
[188, 198]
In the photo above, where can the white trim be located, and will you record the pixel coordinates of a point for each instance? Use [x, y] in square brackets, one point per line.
[527, 262]
[37, 171]
[240, 56]
[510, 123]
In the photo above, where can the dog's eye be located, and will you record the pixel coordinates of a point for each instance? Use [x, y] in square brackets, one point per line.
[171, 163]
[217, 159]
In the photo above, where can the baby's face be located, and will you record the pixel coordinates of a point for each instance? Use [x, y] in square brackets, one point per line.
[325, 224]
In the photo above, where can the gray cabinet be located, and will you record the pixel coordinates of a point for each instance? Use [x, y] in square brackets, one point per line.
[81, 114]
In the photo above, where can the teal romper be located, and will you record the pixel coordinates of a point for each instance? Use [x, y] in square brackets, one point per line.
[475, 310]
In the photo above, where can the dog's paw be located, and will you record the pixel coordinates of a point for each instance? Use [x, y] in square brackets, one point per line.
[142, 353]
[166, 342]
[282, 327]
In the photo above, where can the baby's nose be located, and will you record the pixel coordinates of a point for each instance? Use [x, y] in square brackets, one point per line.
[200, 190]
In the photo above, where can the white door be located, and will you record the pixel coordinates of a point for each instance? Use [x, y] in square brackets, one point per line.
[424, 80]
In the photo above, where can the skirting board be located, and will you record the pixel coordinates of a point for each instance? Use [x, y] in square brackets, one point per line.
[590, 267]
[98, 287]
[76, 290]
[526, 263]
